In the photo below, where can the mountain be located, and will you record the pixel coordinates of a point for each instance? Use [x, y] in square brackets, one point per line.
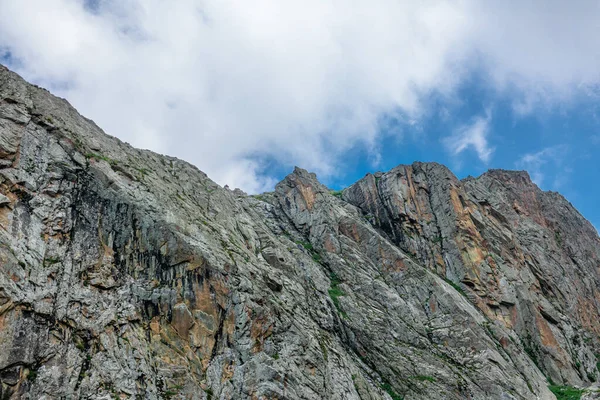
[128, 274]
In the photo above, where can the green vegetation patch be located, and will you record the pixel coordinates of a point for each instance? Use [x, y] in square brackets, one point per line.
[455, 286]
[532, 350]
[323, 350]
[51, 260]
[389, 390]
[31, 375]
[98, 157]
[558, 238]
[335, 292]
[309, 247]
[305, 244]
[424, 378]
[566, 392]
[143, 171]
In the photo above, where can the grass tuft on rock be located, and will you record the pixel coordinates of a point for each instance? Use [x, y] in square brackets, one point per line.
[389, 390]
[335, 292]
[455, 286]
[424, 378]
[566, 392]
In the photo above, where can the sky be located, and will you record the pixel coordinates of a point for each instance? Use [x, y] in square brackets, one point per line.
[247, 90]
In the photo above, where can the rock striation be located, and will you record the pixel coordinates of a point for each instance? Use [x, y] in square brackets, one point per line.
[128, 274]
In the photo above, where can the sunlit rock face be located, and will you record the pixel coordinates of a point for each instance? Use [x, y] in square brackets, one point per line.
[127, 274]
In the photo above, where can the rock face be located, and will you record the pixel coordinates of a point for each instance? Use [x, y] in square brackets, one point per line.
[124, 273]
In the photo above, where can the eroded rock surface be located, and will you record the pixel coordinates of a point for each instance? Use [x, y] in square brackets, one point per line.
[128, 274]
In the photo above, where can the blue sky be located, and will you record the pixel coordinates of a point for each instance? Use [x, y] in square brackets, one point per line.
[245, 91]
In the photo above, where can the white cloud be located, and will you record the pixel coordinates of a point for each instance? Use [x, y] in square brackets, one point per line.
[539, 162]
[224, 83]
[472, 135]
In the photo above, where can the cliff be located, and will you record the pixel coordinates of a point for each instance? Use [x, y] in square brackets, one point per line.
[125, 273]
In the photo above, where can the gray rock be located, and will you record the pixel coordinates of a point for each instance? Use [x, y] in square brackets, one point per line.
[124, 273]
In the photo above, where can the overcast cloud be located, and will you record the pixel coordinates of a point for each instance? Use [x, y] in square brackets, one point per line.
[226, 84]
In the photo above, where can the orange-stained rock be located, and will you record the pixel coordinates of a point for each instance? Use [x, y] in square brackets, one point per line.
[126, 274]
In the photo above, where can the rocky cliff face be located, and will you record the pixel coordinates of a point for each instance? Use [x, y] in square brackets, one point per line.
[124, 273]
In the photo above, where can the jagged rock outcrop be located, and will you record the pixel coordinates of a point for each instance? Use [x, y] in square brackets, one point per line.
[526, 258]
[124, 273]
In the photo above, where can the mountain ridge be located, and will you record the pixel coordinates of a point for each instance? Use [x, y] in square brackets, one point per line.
[125, 273]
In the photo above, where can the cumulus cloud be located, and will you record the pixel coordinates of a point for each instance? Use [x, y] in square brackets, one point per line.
[229, 84]
[472, 135]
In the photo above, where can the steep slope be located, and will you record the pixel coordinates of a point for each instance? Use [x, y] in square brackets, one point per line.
[125, 273]
[526, 258]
